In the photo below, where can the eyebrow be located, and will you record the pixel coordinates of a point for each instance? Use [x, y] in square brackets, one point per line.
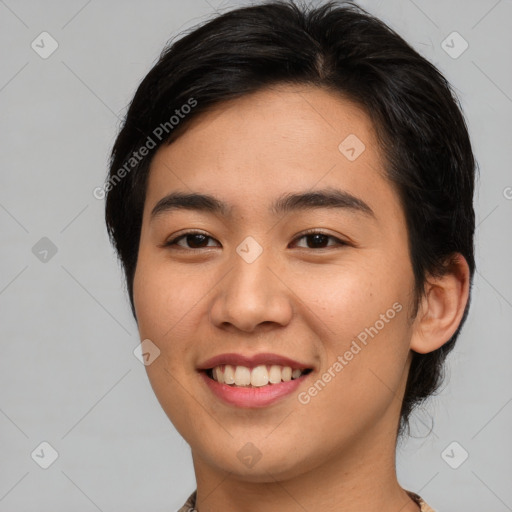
[292, 202]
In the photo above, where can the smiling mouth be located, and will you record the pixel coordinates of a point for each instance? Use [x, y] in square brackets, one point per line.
[259, 376]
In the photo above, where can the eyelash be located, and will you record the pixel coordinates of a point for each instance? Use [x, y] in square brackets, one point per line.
[310, 232]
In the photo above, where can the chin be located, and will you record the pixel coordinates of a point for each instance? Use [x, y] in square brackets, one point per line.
[266, 466]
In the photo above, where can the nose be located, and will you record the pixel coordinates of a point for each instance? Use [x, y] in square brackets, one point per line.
[252, 296]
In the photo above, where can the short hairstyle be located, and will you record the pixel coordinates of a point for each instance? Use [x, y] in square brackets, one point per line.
[340, 47]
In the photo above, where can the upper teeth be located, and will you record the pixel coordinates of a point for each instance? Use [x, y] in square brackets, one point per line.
[258, 376]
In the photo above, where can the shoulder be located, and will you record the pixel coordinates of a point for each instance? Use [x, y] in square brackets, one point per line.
[419, 500]
[190, 504]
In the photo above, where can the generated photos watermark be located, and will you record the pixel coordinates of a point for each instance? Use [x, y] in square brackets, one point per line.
[157, 135]
[358, 343]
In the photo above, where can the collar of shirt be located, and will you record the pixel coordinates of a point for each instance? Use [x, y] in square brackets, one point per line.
[190, 504]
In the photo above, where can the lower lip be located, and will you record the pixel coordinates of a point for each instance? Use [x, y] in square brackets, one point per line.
[254, 396]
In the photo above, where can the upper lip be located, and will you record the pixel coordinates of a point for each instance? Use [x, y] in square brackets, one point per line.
[251, 361]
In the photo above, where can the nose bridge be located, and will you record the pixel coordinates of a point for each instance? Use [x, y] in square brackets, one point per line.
[251, 294]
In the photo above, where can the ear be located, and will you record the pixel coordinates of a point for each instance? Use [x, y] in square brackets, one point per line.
[442, 307]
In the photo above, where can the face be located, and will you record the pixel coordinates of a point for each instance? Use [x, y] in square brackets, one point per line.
[301, 259]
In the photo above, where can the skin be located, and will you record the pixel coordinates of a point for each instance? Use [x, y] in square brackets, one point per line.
[336, 452]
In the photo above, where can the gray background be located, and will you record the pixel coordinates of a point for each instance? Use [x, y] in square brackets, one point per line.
[68, 375]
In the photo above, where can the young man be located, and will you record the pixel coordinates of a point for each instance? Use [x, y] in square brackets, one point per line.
[291, 199]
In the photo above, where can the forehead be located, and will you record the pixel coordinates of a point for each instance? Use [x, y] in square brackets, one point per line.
[281, 139]
[281, 116]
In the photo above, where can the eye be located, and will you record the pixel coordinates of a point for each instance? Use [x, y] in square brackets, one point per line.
[199, 240]
[194, 239]
[318, 240]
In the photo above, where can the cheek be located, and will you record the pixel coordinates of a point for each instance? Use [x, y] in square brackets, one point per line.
[348, 297]
[170, 305]
[163, 299]
[360, 313]
[164, 305]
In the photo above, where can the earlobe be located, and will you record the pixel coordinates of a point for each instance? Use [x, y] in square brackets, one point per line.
[442, 307]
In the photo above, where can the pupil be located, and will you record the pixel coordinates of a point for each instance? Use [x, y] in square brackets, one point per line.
[318, 239]
[196, 237]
